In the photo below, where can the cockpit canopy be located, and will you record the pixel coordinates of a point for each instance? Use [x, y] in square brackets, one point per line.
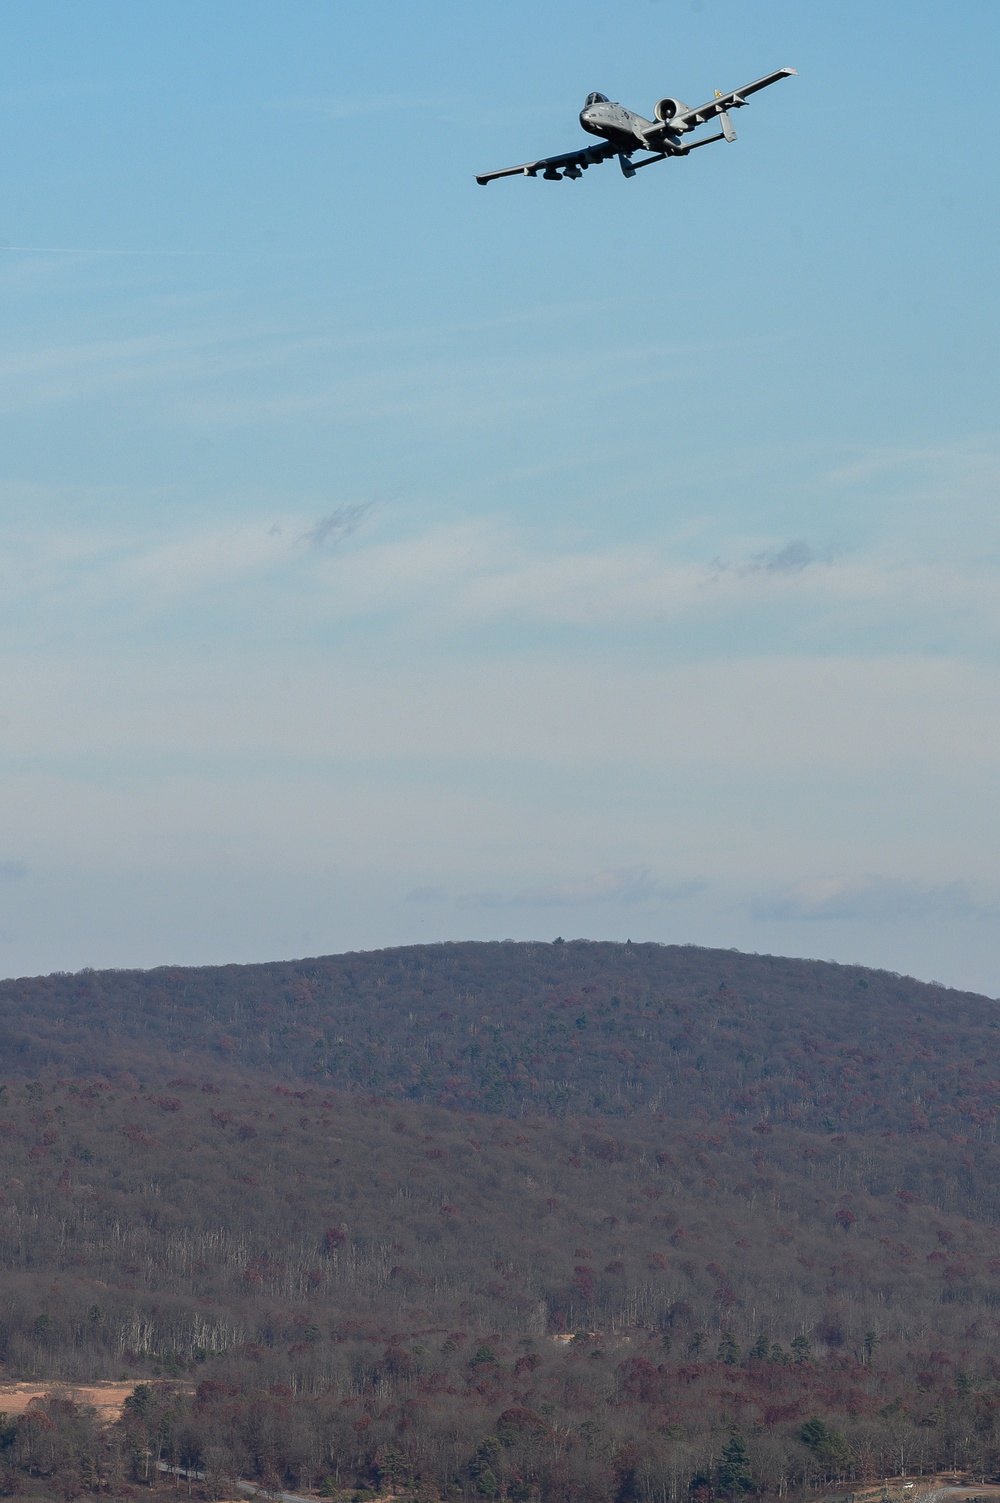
[595, 99]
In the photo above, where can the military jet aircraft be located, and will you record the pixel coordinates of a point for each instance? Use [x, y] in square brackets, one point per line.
[623, 133]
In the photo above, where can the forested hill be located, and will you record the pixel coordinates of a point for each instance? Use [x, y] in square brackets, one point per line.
[577, 1027]
[502, 1223]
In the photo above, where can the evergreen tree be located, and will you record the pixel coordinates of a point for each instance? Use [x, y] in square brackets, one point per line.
[827, 1445]
[733, 1475]
[729, 1351]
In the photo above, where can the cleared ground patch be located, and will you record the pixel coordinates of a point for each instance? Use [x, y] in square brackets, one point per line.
[106, 1398]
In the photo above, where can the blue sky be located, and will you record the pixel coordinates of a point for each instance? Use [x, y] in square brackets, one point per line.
[386, 558]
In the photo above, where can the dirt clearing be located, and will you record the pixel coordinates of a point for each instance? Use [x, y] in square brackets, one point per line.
[107, 1398]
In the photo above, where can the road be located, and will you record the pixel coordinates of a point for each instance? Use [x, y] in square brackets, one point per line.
[248, 1489]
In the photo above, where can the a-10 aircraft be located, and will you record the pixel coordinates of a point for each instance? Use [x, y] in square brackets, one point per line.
[624, 133]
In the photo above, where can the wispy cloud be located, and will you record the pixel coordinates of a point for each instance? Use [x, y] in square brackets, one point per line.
[203, 562]
[87, 250]
[485, 572]
[427, 895]
[12, 871]
[185, 364]
[627, 886]
[788, 558]
[355, 106]
[360, 106]
[791, 559]
[966, 460]
[48, 94]
[871, 899]
[338, 524]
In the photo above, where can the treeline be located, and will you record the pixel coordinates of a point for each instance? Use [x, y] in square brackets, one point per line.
[577, 1028]
[475, 1421]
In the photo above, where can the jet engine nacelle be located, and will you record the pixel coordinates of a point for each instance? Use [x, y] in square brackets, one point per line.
[667, 109]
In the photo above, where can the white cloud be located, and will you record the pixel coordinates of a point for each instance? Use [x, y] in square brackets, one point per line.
[450, 577]
[872, 899]
[204, 561]
[629, 887]
[486, 570]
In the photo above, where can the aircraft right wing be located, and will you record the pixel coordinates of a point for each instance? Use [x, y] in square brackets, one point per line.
[570, 164]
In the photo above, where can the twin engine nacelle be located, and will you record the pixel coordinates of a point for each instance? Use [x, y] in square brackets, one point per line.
[666, 109]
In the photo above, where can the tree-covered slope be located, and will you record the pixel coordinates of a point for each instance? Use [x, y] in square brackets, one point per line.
[179, 1221]
[397, 1294]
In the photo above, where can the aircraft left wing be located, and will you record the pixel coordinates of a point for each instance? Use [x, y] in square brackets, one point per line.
[722, 103]
[570, 164]
[656, 136]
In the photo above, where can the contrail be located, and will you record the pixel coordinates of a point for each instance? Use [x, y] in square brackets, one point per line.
[86, 250]
[89, 250]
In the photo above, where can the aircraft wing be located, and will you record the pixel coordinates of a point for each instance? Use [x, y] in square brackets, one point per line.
[725, 102]
[570, 164]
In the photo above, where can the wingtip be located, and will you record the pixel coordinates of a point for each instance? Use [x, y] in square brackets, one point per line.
[793, 71]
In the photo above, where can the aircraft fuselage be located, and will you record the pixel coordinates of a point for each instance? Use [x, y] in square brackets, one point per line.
[623, 128]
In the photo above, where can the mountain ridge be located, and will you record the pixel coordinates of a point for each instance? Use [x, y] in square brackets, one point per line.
[584, 1027]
